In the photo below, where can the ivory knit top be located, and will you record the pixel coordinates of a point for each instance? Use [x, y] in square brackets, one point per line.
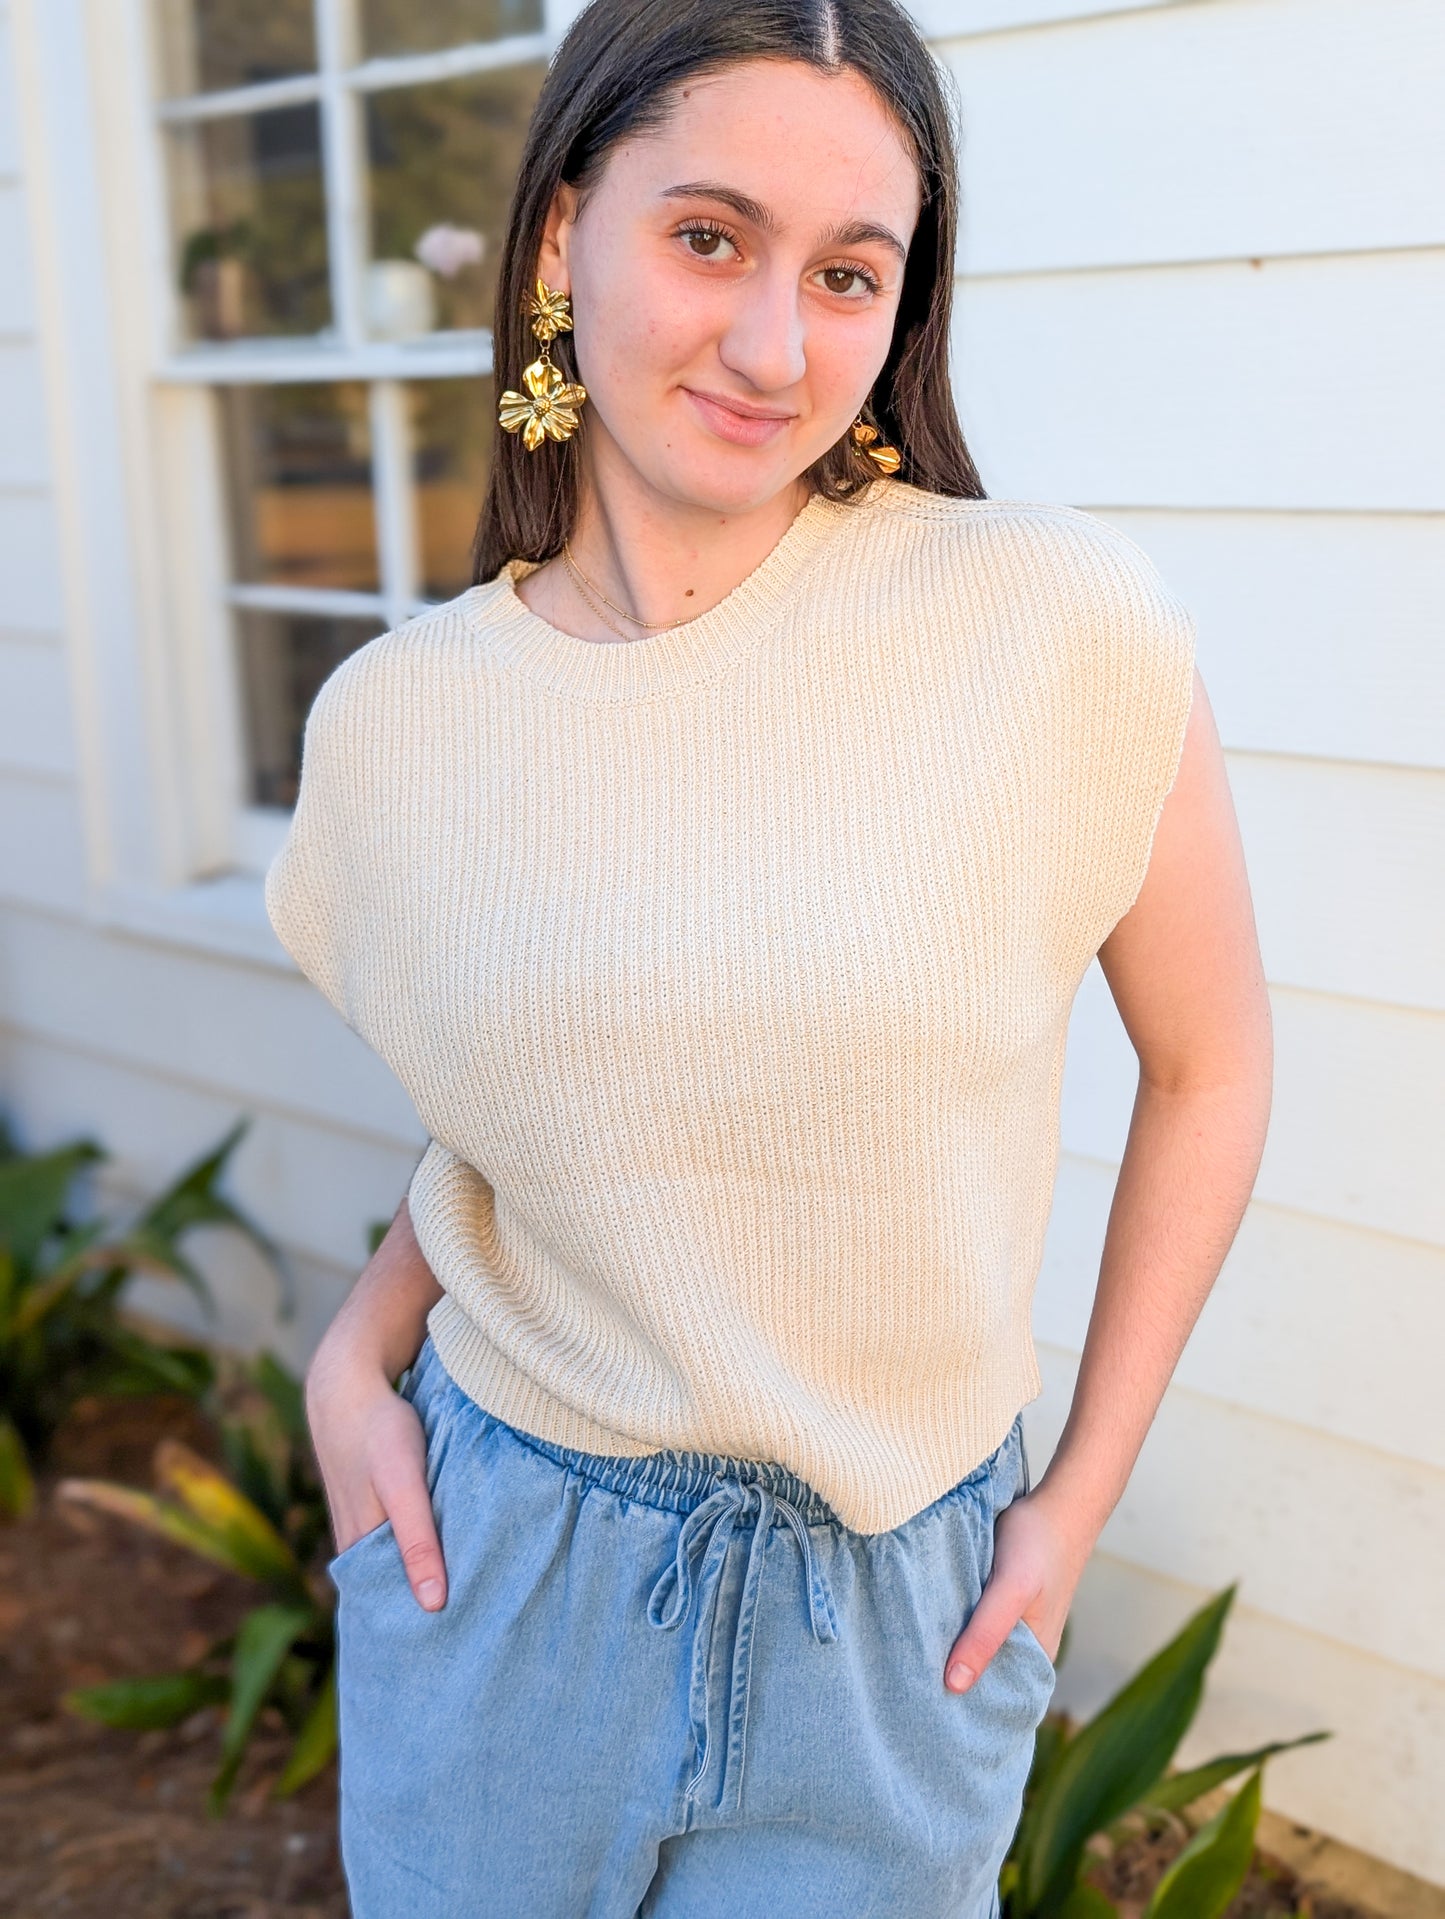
[729, 970]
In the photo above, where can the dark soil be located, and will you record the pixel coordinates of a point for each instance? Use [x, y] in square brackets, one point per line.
[100, 1824]
[1272, 1891]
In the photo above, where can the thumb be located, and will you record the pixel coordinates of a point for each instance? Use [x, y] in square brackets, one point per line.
[414, 1524]
[989, 1624]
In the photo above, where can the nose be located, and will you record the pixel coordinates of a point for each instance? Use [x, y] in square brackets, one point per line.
[764, 341]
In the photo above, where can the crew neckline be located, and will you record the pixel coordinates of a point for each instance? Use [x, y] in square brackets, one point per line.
[677, 658]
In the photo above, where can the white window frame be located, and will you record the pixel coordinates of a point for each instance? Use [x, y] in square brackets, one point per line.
[174, 852]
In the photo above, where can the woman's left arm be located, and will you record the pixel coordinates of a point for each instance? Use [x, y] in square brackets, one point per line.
[1185, 971]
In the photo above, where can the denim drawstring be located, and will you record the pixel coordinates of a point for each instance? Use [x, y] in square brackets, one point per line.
[710, 1527]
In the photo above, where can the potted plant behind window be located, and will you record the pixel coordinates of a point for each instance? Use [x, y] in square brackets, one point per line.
[216, 275]
[402, 295]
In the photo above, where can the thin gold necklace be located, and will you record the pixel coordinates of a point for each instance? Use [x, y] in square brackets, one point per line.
[650, 626]
[585, 595]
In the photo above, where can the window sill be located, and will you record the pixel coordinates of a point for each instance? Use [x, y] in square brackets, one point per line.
[224, 915]
[426, 356]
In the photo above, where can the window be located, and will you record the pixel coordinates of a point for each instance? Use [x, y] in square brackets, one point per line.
[336, 177]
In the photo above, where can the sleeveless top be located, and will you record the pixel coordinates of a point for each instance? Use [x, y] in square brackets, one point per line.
[729, 970]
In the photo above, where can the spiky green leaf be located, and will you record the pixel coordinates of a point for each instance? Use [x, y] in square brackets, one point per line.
[1121, 1753]
[265, 1638]
[138, 1705]
[17, 1482]
[315, 1743]
[1183, 1788]
[1202, 1882]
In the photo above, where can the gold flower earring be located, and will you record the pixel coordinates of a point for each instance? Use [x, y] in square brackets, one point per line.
[548, 409]
[868, 445]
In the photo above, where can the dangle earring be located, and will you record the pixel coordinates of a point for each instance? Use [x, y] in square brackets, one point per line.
[548, 409]
[868, 446]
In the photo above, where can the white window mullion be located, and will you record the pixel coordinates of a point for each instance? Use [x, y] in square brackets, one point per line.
[343, 165]
[395, 494]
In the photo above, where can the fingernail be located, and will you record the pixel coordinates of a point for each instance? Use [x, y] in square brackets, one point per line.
[960, 1676]
[429, 1592]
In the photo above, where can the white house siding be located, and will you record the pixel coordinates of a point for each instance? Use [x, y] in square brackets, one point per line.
[1202, 294]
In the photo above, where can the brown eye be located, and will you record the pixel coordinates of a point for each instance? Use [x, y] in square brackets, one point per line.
[840, 279]
[704, 242]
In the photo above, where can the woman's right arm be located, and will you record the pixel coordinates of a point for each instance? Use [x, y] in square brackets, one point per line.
[370, 1443]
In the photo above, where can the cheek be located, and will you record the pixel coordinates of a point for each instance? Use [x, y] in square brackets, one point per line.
[635, 336]
[844, 360]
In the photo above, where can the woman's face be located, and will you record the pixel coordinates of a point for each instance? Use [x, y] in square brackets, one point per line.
[735, 276]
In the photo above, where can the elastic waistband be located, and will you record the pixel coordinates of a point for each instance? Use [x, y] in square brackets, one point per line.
[679, 1480]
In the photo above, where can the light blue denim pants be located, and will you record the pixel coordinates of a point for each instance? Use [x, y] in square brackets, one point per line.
[674, 1685]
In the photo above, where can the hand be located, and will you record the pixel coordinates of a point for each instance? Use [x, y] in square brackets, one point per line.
[1037, 1563]
[371, 1447]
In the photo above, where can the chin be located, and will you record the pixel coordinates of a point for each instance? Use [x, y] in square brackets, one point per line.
[738, 482]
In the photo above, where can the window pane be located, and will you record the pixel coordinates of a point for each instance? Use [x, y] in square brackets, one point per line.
[250, 224]
[443, 157]
[284, 659]
[451, 428]
[210, 44]
[425, 26]
[298, 485]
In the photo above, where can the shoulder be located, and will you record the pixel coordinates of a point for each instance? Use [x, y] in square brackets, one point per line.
[364, 688]
[1088, 594]
[1046, 543]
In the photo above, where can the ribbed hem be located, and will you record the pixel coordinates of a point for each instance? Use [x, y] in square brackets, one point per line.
[866, 1506]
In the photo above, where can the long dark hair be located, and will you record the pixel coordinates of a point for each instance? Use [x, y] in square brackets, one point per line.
[614, 74]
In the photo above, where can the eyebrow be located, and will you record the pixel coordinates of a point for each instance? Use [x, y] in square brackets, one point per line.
[850, 233]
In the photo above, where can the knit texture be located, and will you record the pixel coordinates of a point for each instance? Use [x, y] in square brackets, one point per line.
[729, 970]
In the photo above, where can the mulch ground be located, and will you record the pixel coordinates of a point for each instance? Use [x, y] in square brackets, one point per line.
[100, 1824]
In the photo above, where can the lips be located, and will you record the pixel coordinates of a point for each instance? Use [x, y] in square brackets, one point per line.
[732, 421]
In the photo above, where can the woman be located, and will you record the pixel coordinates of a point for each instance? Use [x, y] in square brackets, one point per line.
[717, 874]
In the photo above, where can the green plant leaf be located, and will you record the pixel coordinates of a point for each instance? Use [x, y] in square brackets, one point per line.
[254, 1543]
[265, 1638]
[17, 1482]
[249, 1545]
[141, 1704]
[33, 1190]
[155, 1515]
[284, 1391]
[135, 1364]
[72, 1258]
[194, 1199]
[1100, 1772]
[145, 1249]
[1183, 1788]
[1202, 1881]
[1087, 1902]
[315, 1743]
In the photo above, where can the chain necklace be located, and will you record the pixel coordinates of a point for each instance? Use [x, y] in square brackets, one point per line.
[650, 626]
[585, 595]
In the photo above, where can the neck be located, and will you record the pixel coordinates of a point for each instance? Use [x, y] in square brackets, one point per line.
[664, 560]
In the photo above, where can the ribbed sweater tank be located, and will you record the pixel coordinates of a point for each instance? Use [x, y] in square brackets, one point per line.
[730, 968]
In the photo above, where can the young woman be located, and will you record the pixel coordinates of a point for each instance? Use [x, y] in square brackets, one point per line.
[717, 874]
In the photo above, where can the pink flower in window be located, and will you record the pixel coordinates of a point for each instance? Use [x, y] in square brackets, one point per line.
[446, 249]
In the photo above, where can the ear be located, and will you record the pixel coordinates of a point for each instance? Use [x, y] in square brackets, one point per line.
[556, 238]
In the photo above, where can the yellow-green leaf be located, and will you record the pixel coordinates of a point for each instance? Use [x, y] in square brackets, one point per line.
[17, 1483]
[315, 1743]
[205, 1491]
